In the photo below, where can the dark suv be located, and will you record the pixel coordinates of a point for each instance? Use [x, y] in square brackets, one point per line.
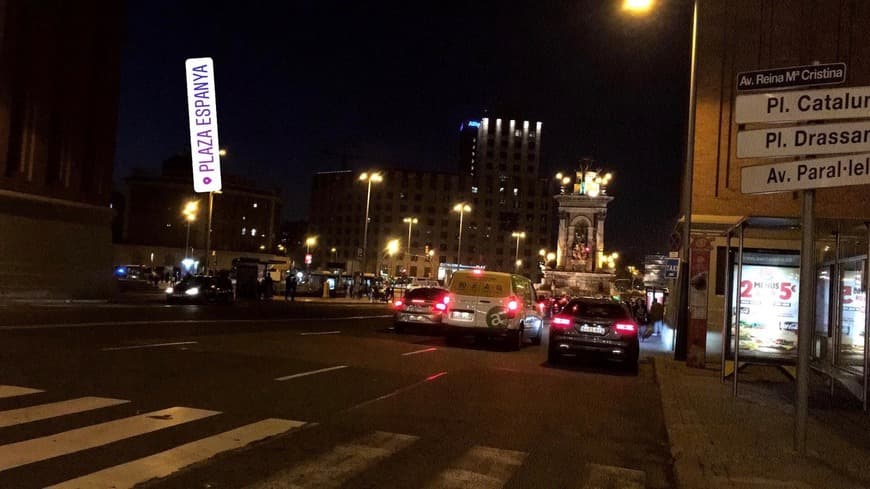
[594, 327]
[200, 289]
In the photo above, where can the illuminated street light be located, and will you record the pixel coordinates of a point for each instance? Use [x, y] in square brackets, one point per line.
[518, 235]
[369, 178]
[551, 256]
[334, 252]
[222, 152]
[392, 248]
[410, 221]
[461, 208]
[309, 242]
[637, 7]
[189, 212]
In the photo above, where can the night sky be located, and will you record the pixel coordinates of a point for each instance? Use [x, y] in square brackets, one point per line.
[299, 84]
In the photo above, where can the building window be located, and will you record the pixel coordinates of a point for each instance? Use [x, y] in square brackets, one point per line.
[442, 259]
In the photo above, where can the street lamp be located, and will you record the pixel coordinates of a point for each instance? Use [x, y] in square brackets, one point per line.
[334, 252]
[309, 242]
[189, 212]
[461, 208]
[637, 7]
[518, 235]
[392, 249]
[369, 178]
[410, 221]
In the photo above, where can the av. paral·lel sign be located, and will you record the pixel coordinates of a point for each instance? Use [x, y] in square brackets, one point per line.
[202, 115]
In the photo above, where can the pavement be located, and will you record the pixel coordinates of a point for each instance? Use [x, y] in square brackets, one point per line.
[720, 442]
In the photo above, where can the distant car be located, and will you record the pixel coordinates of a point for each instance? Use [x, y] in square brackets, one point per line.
[484, 303]
[422, 306]
[594, 327]
[200, 289]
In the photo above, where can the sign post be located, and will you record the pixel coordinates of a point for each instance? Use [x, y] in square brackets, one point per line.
[204, 143]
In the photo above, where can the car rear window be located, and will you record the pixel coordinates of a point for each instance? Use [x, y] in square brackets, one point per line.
[595, 310]
[425, 293]
[483, 285]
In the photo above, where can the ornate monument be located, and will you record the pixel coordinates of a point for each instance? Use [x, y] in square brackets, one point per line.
[581, 266]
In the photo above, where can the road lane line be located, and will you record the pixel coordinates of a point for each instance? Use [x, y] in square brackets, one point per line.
[315, 333]
[312, 372]
[339, 465]
[14, 391]
[39, 412]
[166, 463]
[152, 345]
[51, 446]
[419, 351]
[397, 391]
[16, 327]
[481, 468]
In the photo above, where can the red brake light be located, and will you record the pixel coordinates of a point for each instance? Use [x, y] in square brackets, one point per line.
[561, 321]
[478, 271]
[513, 305]
[626, 327]
[397, 304]
[446, 299]
[440, 306]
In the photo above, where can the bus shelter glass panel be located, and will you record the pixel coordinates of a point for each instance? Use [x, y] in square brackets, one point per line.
[768, 301]
[852, 311]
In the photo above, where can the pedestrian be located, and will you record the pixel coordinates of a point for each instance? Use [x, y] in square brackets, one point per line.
[290, 287]
[268, 285]
[656, 315]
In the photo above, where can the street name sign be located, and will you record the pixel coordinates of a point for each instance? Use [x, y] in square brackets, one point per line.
[202, 116]
[805, 105]
[817, 139]
[792, 77]
[839, 171]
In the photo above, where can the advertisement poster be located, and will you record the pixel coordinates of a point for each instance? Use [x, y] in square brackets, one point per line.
[699, 271]
[768, 310]
[852, 340]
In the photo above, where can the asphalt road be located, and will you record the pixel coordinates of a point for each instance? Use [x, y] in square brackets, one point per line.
[306, 396]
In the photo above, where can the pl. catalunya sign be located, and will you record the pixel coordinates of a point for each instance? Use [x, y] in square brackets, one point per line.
[202, 115]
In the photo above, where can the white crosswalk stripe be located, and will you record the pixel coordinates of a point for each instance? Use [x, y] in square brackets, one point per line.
[14, 391]
[39, 412]
[46, 447]
[165, 463]
[481, 468]
[334, 468]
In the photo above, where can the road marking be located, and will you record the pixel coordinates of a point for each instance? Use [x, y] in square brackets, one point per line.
[313, 333]
[166, 463]
[342, 463]
[481, 468]
[14, 391]
[609, 476]
[397, 391]
[15, 327]
[13, 417]
[419, 351]
[312, 372]
[51, 446]
[152, 345]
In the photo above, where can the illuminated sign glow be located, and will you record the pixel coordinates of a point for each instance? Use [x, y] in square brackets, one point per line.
[202, 115]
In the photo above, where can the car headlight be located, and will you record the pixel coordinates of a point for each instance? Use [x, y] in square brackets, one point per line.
[169, 290]
[192, 291]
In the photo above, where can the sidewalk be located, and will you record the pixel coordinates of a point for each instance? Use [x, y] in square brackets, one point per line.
[721, 442]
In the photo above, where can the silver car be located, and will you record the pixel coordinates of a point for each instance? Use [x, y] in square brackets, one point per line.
[421, 306]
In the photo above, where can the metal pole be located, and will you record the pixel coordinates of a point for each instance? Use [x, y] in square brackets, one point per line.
[867, 324]
[686, 201]
[366, 227]
[805, 319]
[208, 231]
[187, 240]
[517, 254]
[737, 318]
[408, 251]
[836, 305]
[726, 319]
[459, 246]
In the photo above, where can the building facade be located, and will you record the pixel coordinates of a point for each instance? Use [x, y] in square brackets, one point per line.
[748, 35]
[245, 218]
[498, 179]
[59, 76]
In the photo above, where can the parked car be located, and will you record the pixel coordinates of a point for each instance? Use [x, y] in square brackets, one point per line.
[200, 289]
[484, 303]
[421, 306]
[594, 327]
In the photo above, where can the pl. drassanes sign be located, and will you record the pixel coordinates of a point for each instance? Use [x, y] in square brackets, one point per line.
[840, 171]
[202, 115]
[816, 139]
[793, 76]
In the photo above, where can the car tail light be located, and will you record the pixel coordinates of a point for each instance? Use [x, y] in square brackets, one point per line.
[630, 328]
[398, 304]
[561, 322]
[446, 299]
[477, 271]
[440, 307]
[513, 305]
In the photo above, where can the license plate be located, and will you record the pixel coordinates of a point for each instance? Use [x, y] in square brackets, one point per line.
[464, 315]
[416, 309]
[586, 328]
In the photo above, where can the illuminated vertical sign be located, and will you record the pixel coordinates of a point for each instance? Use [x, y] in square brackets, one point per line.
[202, 115]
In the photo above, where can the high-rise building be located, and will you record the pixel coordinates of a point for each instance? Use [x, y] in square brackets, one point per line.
[59, 71]
[498, 178]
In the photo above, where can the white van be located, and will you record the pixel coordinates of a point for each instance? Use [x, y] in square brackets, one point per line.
[485, 303]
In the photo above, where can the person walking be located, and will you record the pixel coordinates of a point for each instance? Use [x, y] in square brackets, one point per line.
[656, 316]
[290, 287]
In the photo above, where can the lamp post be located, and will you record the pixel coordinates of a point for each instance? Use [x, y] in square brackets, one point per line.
[189, 213]
[518, 235]
[461, 208]
[334, 252]
[309, 242]
[392, 249]
[369, 178]
[410, 221]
